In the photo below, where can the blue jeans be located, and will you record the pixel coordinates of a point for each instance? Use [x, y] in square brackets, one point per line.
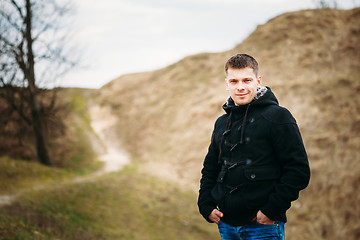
[252, 231]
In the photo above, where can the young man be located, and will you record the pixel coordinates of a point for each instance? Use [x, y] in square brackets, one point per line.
[256, 163]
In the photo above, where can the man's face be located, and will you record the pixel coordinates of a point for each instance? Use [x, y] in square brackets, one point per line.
[242, 84]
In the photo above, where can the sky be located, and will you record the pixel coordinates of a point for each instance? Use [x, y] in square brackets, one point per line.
[117, 37]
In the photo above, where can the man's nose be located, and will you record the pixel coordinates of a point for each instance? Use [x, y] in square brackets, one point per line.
[240, 86]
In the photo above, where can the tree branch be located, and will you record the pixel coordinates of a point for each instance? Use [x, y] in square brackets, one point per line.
[8, 19]
[18, 8]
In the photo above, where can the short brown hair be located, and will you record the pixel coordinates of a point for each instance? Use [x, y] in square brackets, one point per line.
[240, 61]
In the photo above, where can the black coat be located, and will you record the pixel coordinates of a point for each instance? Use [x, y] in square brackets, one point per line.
[256, 161]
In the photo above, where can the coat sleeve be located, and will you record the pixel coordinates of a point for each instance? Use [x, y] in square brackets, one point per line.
[295, 172]
[210, 171]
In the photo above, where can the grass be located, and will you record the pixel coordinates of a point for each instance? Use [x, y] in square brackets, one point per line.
[73, 150]
[123, 205]
[18, 174]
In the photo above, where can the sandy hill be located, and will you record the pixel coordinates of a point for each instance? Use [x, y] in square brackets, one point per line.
[311, 60]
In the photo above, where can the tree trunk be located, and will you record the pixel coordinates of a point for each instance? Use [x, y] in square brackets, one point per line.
[42, 147]
[37, 118]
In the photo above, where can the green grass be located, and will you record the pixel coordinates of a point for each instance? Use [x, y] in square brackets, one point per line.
[76, 100]
[123, 205]
[74, 150]
[19, 174]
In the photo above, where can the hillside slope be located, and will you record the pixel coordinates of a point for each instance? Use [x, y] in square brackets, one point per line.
[311, 60]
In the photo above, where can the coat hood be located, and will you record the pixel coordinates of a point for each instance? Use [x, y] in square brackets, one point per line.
[263, 97]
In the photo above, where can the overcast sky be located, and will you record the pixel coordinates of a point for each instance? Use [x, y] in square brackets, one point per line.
[125, 36]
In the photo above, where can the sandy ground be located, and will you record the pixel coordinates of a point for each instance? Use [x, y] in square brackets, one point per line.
[106, 144]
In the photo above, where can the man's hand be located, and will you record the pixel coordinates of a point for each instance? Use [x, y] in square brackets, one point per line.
[263, 219]
[215, 216]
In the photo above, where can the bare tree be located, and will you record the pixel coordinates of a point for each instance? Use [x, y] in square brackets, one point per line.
[326, 3]
[27, 45]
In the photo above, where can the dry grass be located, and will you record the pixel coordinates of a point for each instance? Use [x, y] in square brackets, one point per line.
[311, 59]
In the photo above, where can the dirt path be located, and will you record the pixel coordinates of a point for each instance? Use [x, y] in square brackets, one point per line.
[107, 145]
[111, 152]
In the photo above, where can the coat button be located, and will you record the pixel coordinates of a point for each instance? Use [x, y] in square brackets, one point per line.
[248, 161]
[247, 140]
[253, 176]
[251, 120]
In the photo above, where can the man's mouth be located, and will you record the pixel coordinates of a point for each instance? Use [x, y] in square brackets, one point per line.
[241, 94]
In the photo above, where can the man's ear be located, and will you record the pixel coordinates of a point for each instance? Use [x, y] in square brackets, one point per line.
[259, 81]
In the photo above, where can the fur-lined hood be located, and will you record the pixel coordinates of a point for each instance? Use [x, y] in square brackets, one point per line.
[263, 97]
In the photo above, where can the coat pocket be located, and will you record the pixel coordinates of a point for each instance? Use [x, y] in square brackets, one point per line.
[260, 184]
